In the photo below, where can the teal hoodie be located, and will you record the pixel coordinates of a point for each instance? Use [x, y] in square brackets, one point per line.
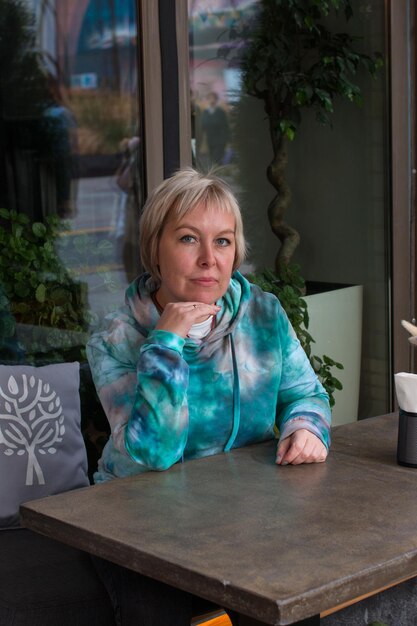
[168, 399]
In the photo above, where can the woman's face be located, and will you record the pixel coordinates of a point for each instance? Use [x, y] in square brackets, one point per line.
[196, 256]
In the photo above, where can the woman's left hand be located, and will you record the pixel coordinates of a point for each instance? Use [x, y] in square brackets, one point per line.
[301, 447]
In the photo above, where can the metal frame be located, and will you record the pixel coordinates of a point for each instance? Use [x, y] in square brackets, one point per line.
[402, 49]
[148, 11]
[183, 82]
[161, 102]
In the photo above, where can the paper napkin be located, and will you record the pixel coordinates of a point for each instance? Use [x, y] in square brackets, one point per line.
[406, 390]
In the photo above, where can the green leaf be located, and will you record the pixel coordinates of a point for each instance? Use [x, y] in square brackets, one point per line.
[379, 63]
[325, 99]
[5, 214]
[40, 293]
[39, 229]
[17, 230]
[290, 133]
[309, 22]
[301, 97]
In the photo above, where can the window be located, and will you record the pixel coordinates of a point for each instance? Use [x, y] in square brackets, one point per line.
[338, 177]
[71, 177]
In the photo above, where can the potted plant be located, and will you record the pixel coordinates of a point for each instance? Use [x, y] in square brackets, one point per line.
[293, 61]
[46, 307]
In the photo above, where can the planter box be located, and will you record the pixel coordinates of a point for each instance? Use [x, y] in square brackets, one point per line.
[336, 326]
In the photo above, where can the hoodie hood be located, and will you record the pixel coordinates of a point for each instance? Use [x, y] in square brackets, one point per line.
[233, 307]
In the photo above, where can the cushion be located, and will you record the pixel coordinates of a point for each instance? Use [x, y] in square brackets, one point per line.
[42, 450]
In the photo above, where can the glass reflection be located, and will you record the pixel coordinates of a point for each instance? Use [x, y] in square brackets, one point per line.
[337, 177]
[71, 183]
[216, 95]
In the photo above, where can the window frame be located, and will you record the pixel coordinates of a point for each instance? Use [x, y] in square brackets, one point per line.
[402, 62]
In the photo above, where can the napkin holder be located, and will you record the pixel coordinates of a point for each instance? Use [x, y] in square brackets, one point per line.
[406, 388]
[407, 439]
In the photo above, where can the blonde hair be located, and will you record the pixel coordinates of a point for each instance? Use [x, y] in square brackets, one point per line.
[177, 196]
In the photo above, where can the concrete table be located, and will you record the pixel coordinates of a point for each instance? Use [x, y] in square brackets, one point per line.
[277, 544]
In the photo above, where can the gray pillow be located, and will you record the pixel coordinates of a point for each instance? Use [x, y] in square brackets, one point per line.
[42, 450]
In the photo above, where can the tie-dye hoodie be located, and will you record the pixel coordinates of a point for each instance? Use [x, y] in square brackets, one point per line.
[169, 398]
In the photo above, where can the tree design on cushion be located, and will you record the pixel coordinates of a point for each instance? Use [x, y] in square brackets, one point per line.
[31, 422]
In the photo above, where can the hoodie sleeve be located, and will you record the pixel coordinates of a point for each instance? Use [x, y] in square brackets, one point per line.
[302, 400]
[145, 402]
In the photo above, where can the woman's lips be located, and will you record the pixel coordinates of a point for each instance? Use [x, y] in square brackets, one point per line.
[207, 282]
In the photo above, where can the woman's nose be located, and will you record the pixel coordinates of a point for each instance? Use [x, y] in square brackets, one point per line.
[207, 256]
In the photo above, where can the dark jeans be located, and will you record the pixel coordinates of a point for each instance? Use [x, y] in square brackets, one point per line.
[141, 601]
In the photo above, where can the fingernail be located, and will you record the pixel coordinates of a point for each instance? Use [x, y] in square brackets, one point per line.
[278, 460]
[284, 463]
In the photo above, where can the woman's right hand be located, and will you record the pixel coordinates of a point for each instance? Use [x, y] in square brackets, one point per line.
[178, 317]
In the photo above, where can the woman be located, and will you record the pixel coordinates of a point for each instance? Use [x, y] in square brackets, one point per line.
[200, 361]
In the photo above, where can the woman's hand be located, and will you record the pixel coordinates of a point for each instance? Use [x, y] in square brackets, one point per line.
[178, 317]
[301, 447]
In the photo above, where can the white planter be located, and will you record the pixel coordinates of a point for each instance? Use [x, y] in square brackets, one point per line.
[336, 326]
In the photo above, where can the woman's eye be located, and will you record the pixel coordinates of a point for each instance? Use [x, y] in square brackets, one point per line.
[223, 242]
[188, 239]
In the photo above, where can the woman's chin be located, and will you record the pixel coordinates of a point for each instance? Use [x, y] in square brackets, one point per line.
[205, 296]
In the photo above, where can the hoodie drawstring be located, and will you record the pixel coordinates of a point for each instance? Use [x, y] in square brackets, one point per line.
[236, 398]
